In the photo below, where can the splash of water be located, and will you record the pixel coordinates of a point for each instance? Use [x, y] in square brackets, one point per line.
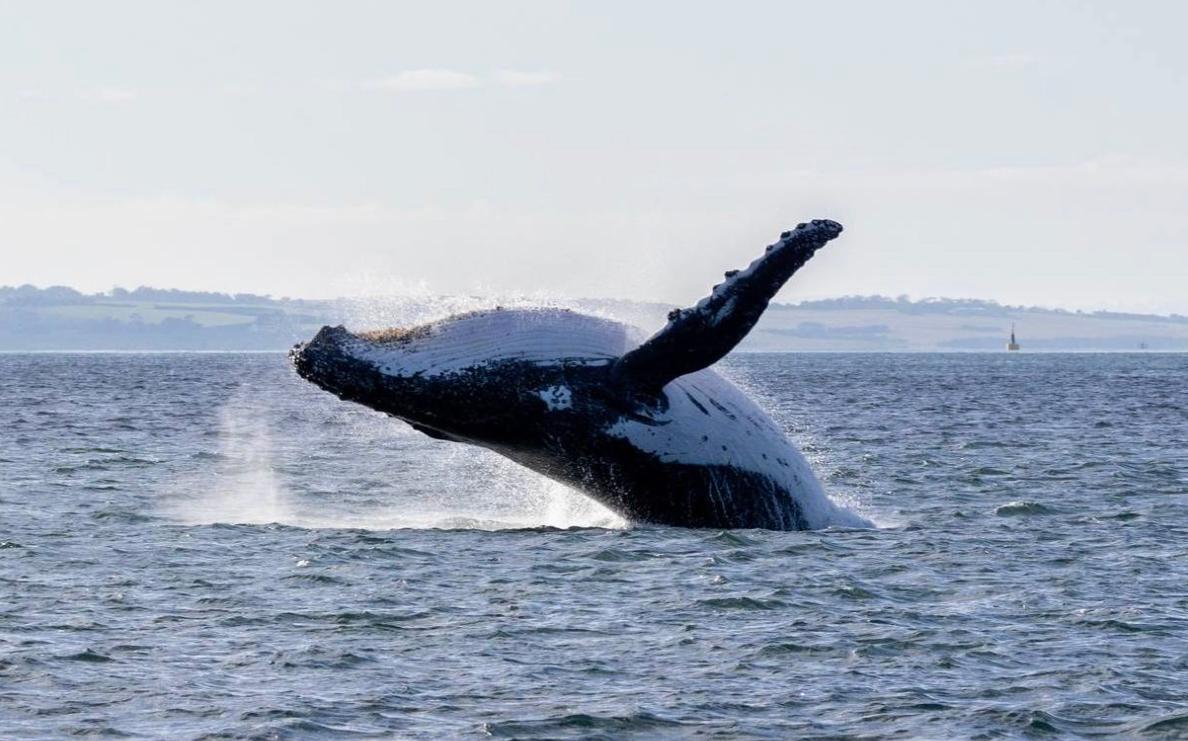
[533, 500]
[410, 309]
[245, 485]
[242, 486]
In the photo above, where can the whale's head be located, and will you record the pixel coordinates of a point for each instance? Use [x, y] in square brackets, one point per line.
[340, 362]
[470, 377]
[378, 370]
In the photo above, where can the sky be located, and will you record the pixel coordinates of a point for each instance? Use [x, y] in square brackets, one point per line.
[1027, 152]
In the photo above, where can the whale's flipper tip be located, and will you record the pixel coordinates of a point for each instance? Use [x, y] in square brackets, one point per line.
[826, 225]
[699, 336]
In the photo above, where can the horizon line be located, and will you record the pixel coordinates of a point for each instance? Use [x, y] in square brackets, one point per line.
[907, 299]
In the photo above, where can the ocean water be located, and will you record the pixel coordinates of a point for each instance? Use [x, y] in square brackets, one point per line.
[205, 546]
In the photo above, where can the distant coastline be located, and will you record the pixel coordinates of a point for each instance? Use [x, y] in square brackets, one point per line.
[163, 320]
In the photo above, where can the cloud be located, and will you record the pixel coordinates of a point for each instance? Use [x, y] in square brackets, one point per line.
[108, 94]
[1011, 60]
[418, 80]
[514, 78]
[98, 94]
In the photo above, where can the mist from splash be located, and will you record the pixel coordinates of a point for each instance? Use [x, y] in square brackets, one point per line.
[241, 485]
[251, 479]
[245, 483]
[398, 304]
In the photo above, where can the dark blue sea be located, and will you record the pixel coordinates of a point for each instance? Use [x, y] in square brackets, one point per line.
[204, 546]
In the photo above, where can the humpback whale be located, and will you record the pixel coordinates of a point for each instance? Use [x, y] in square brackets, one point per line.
[648, 429]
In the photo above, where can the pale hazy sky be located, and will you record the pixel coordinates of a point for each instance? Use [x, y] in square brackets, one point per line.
[1030, 152]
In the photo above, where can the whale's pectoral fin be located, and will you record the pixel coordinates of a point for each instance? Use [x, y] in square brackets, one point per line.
[701, 335]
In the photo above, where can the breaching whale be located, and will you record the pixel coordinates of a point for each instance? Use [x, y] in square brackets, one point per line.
[649, 430]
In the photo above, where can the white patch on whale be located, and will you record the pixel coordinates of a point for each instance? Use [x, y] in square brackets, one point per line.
[556, 397]
[697, 428]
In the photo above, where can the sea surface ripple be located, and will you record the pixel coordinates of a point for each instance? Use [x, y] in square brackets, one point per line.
[202, 546]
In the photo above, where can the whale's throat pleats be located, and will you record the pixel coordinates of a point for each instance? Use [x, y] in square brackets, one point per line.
[701, 335]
